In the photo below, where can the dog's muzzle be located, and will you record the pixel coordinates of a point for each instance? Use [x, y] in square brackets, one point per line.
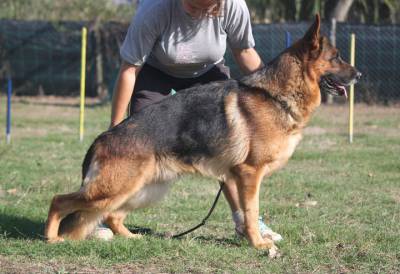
[331, 85]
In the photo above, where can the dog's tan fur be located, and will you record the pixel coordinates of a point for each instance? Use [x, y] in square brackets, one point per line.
[264, 129]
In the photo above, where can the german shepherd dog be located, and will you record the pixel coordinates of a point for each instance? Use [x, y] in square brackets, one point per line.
[234, 131]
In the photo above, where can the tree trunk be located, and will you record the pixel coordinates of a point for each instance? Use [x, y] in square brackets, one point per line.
[341, 10]
[101, 89]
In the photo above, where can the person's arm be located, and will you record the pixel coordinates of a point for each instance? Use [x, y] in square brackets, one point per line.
[123, 92]
[240, 37]
[143, 32]
[248, 60]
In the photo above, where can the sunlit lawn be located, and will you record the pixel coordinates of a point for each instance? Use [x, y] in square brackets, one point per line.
[337, 205]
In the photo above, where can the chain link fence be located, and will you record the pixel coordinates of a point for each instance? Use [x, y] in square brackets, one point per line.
[44, 57]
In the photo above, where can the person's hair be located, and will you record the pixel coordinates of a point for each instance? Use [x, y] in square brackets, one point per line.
[217, 10]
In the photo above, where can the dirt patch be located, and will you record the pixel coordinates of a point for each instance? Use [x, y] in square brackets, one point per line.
[314, 131]
[362, 112]
[396, 196]
[34, 108]
[55, 100]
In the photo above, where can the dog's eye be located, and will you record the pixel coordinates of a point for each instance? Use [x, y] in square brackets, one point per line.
[336, 57]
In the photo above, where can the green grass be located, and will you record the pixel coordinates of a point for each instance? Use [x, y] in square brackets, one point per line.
[353, 228]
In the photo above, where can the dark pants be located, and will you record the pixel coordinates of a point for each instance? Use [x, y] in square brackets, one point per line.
[153, 85]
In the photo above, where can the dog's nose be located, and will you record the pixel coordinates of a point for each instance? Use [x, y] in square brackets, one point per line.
[358, 75]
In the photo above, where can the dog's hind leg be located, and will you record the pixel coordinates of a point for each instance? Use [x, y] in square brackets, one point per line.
[107, 185]
[86, 213]
[102, 194]
[78, 225]
[148, 195]
[115, 220]
[61, 206]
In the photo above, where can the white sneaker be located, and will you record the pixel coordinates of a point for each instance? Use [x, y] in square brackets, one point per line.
[265, 231]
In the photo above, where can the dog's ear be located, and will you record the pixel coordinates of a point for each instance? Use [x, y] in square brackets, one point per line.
[312, 36]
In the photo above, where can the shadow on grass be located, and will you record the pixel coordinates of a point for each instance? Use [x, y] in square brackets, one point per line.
[19, 227]
[226, 242]
[203, 239]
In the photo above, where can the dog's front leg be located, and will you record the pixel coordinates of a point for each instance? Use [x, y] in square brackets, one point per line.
[248, 179]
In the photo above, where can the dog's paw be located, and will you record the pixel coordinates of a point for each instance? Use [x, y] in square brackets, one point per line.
[269, 245]
[134, 236]
[55, 240]
[263, 244]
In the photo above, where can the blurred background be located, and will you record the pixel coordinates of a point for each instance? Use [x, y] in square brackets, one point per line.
[40, 41]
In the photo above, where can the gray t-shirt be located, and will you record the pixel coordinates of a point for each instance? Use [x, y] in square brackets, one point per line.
[163, 35]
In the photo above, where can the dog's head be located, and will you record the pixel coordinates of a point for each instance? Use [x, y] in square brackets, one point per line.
[325, 64]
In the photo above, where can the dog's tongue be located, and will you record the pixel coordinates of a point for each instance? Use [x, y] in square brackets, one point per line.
[342, 89]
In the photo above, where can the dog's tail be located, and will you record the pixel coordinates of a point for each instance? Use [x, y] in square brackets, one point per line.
[87, 161]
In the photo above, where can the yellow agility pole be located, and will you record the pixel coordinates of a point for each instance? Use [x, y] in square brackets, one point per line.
[351, 97]
[83, 83]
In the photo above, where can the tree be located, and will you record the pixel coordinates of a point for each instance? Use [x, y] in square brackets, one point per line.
[363, 11]
[262, 11]
[375, 11]
[60, 10]
[341, 10]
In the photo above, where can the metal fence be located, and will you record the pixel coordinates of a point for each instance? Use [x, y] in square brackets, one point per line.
[44, 57]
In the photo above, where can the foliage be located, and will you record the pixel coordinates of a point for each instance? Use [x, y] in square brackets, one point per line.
[376, 11]
[363, 11]
[59, 10]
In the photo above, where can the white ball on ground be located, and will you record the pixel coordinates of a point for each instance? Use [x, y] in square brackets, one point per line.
[102, 233]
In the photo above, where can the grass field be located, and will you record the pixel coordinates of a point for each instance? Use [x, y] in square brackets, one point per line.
[354, 227]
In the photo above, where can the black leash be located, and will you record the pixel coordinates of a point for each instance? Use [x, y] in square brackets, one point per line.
[205, 219]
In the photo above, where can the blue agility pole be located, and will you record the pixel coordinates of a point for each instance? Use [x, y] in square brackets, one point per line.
[8, 124]
[288, 39]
